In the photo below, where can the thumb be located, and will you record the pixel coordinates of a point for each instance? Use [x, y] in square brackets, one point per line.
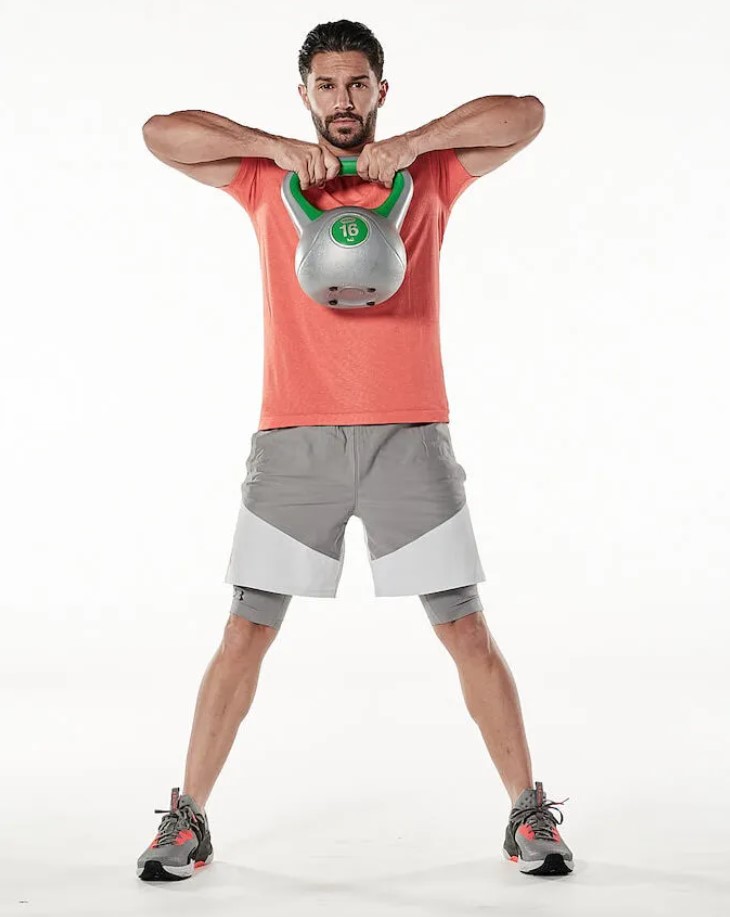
[363, 166]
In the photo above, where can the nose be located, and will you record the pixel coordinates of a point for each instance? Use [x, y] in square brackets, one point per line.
[343, 102]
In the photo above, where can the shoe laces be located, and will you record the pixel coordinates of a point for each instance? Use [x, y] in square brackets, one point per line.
[539, 817]
[176, 819]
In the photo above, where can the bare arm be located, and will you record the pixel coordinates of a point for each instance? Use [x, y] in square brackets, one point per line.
[485, 132]
[209, 148]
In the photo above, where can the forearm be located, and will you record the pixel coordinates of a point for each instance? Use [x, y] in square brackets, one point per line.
[202, 136]
[489, 121]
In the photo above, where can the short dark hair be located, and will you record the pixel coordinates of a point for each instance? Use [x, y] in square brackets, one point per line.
[342, 35]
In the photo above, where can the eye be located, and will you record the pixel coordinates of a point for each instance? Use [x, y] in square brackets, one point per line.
[324, 85]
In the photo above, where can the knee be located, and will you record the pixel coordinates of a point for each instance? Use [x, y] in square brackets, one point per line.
[468, 637]
[244, 640]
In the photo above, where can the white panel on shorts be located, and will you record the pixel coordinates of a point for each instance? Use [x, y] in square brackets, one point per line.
[443, 558]
[263, 557]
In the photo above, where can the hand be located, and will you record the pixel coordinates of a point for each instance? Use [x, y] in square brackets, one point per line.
[380, 161]
[313, 164]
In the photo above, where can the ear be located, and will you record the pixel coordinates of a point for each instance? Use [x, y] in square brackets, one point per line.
[303, 95]
[382, 92]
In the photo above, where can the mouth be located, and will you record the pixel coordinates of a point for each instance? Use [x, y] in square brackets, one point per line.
[345, 121]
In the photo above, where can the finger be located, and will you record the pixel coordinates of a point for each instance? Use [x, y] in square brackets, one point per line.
[318, 172]
[310, 171]
[387, 178]
[333, 168]
[331, 165]
[303, 173]
[374, 167]
[363, 165]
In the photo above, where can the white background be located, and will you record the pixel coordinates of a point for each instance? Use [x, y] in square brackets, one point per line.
[585, 338]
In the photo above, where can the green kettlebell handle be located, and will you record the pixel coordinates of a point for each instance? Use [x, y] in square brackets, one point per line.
[348, 166]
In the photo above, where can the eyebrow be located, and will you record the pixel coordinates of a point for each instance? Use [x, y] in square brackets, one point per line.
[331, 79]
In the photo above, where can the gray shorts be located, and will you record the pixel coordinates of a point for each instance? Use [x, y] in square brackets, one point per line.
[304, 483]
[269, 608]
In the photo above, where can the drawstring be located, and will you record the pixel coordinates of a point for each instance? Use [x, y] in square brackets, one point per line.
[539, 817]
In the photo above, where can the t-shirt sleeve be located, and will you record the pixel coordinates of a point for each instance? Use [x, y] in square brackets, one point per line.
[245, 186]
[451, 177]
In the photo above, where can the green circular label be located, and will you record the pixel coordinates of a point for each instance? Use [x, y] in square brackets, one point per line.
[349, 230]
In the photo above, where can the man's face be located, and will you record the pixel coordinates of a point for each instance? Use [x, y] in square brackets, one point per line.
[343, 96]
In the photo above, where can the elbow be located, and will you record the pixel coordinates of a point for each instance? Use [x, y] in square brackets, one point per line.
[535, 113]
[152, 124]
[534, 102]
[152, 131]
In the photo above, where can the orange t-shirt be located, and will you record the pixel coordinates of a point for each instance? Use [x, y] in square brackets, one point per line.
[376, 364]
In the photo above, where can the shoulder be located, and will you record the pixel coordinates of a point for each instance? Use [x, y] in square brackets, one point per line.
[255, 178]
[439, 163]
[442, 173]
[245, 168]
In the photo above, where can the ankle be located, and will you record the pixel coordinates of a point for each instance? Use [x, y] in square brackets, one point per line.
[198, 798]
[516, 790]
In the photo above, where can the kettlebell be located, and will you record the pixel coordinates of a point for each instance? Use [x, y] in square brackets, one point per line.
[349, 257]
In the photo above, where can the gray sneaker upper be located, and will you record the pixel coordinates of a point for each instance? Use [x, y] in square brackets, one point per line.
[182, 827]
[534, 825]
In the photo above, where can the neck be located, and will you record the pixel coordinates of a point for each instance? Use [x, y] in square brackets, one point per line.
[339, 152]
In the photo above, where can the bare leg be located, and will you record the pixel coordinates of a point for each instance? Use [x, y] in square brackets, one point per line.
[491, 697]
[225, 696]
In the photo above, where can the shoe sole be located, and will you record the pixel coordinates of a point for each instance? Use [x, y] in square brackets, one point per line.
[553, 865]
[156, 871]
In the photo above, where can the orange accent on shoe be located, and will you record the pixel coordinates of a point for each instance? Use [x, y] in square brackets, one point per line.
[199, 863]
[154, 840]
[184, 836]
[556, 836]
[514, 859]
[526, 831]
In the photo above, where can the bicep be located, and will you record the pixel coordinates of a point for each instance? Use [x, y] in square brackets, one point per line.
[217, 173]
[479, 160]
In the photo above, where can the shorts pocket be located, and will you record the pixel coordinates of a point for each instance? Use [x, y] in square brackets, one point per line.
[255, 456]
[438, 438]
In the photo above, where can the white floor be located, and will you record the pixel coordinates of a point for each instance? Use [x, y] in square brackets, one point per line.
[347, 795]
[378, 886]
[364, 858]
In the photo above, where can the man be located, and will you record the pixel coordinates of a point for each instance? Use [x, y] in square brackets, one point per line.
[354, 420]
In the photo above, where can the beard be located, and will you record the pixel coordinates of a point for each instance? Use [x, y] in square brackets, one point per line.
[345, 138]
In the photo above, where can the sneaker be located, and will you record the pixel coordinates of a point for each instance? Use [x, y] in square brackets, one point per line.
[532, 839]
[181, 845]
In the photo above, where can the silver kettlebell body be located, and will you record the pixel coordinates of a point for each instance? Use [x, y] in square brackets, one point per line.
[349, 257]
